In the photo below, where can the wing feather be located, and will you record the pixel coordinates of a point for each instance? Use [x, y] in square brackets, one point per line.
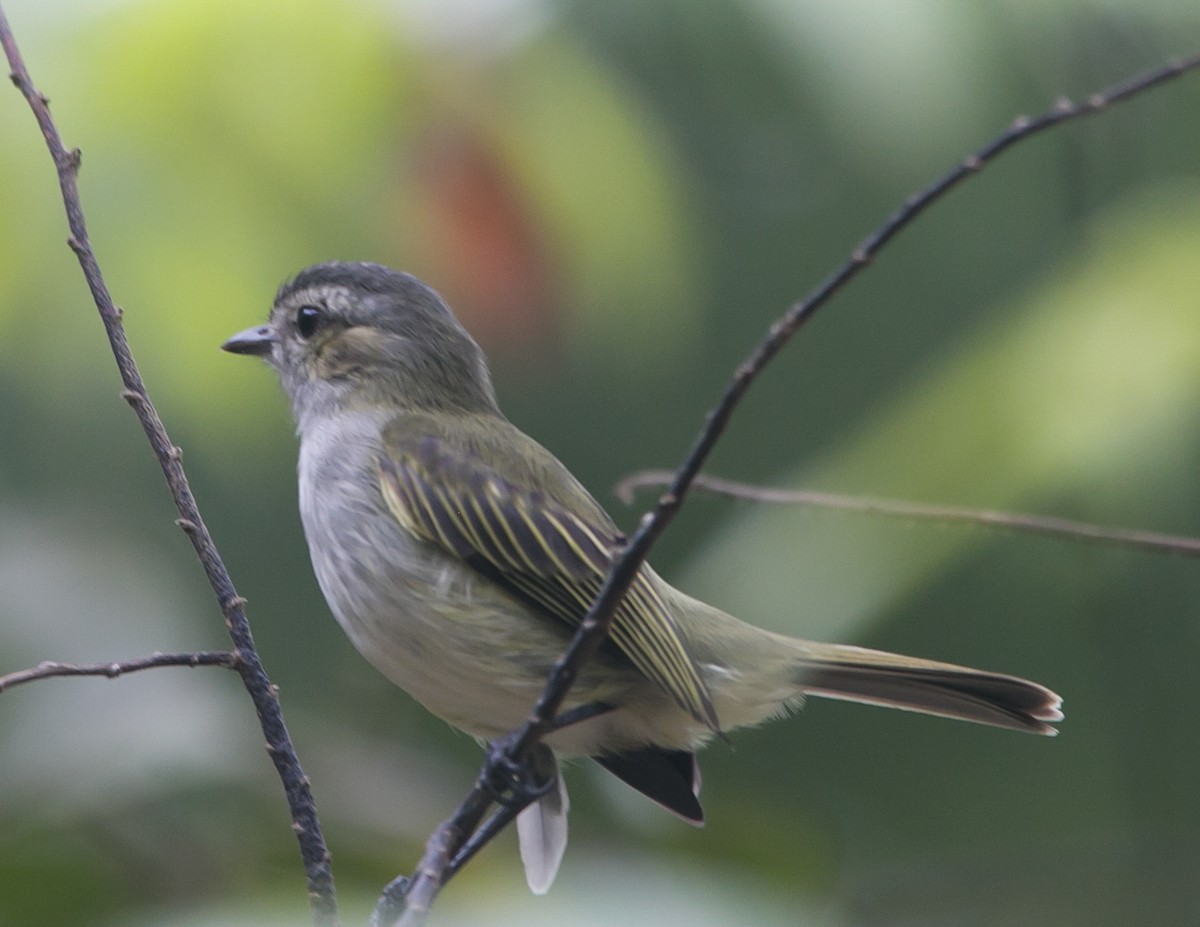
[541, 551]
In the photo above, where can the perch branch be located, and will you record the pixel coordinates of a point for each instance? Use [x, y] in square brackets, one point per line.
[1046, 525]
[592, 631]
[279, 746]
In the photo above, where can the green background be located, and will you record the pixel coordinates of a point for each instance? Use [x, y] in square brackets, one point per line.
[618, 198]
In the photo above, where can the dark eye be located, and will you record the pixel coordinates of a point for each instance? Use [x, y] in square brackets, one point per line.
[308, 320]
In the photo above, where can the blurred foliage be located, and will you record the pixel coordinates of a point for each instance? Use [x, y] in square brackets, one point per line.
[618, 198]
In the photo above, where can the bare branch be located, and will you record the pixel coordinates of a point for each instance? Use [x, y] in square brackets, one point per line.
[279, 746]
[594, 628]
[1046, 525]
[49, 668]
[434, 870]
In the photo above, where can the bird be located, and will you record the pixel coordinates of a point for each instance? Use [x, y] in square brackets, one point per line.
[459, 556]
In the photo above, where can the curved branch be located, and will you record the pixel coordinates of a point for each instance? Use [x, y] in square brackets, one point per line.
[591, 633]
[279, 746]
[594, 628]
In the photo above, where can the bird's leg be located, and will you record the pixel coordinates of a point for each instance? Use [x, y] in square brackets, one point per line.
[515, 782]
[500, 819]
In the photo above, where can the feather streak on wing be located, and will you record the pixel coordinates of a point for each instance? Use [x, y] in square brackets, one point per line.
[498, 530]
[450, 525]
[560, 557]
[540, 551]
[485, 532]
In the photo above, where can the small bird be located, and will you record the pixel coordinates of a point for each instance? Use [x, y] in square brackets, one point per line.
[459, 555]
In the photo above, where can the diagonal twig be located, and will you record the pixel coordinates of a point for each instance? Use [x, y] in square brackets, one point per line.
[266, 703]
[1046, 525]
[594, 628]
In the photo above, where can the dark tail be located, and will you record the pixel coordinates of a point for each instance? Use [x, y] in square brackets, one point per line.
[878, 678]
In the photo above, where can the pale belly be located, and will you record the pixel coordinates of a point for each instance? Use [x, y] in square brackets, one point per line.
[454, 641]
[450, 637]
[479, 659]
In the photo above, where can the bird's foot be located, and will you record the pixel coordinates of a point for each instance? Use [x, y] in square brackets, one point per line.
[516, 781]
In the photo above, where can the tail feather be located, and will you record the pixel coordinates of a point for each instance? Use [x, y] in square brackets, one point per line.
[669, 777]
[542, 836]
[859, 675]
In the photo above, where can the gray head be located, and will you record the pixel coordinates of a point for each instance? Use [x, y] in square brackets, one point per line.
[345, 335]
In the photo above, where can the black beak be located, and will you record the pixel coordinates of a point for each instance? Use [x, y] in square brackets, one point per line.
[256, 341]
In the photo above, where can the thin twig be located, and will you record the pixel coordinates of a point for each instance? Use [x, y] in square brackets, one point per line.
[279, 746]
[594, 627]
[1046, 525]
[49, 668]
[434, 870]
